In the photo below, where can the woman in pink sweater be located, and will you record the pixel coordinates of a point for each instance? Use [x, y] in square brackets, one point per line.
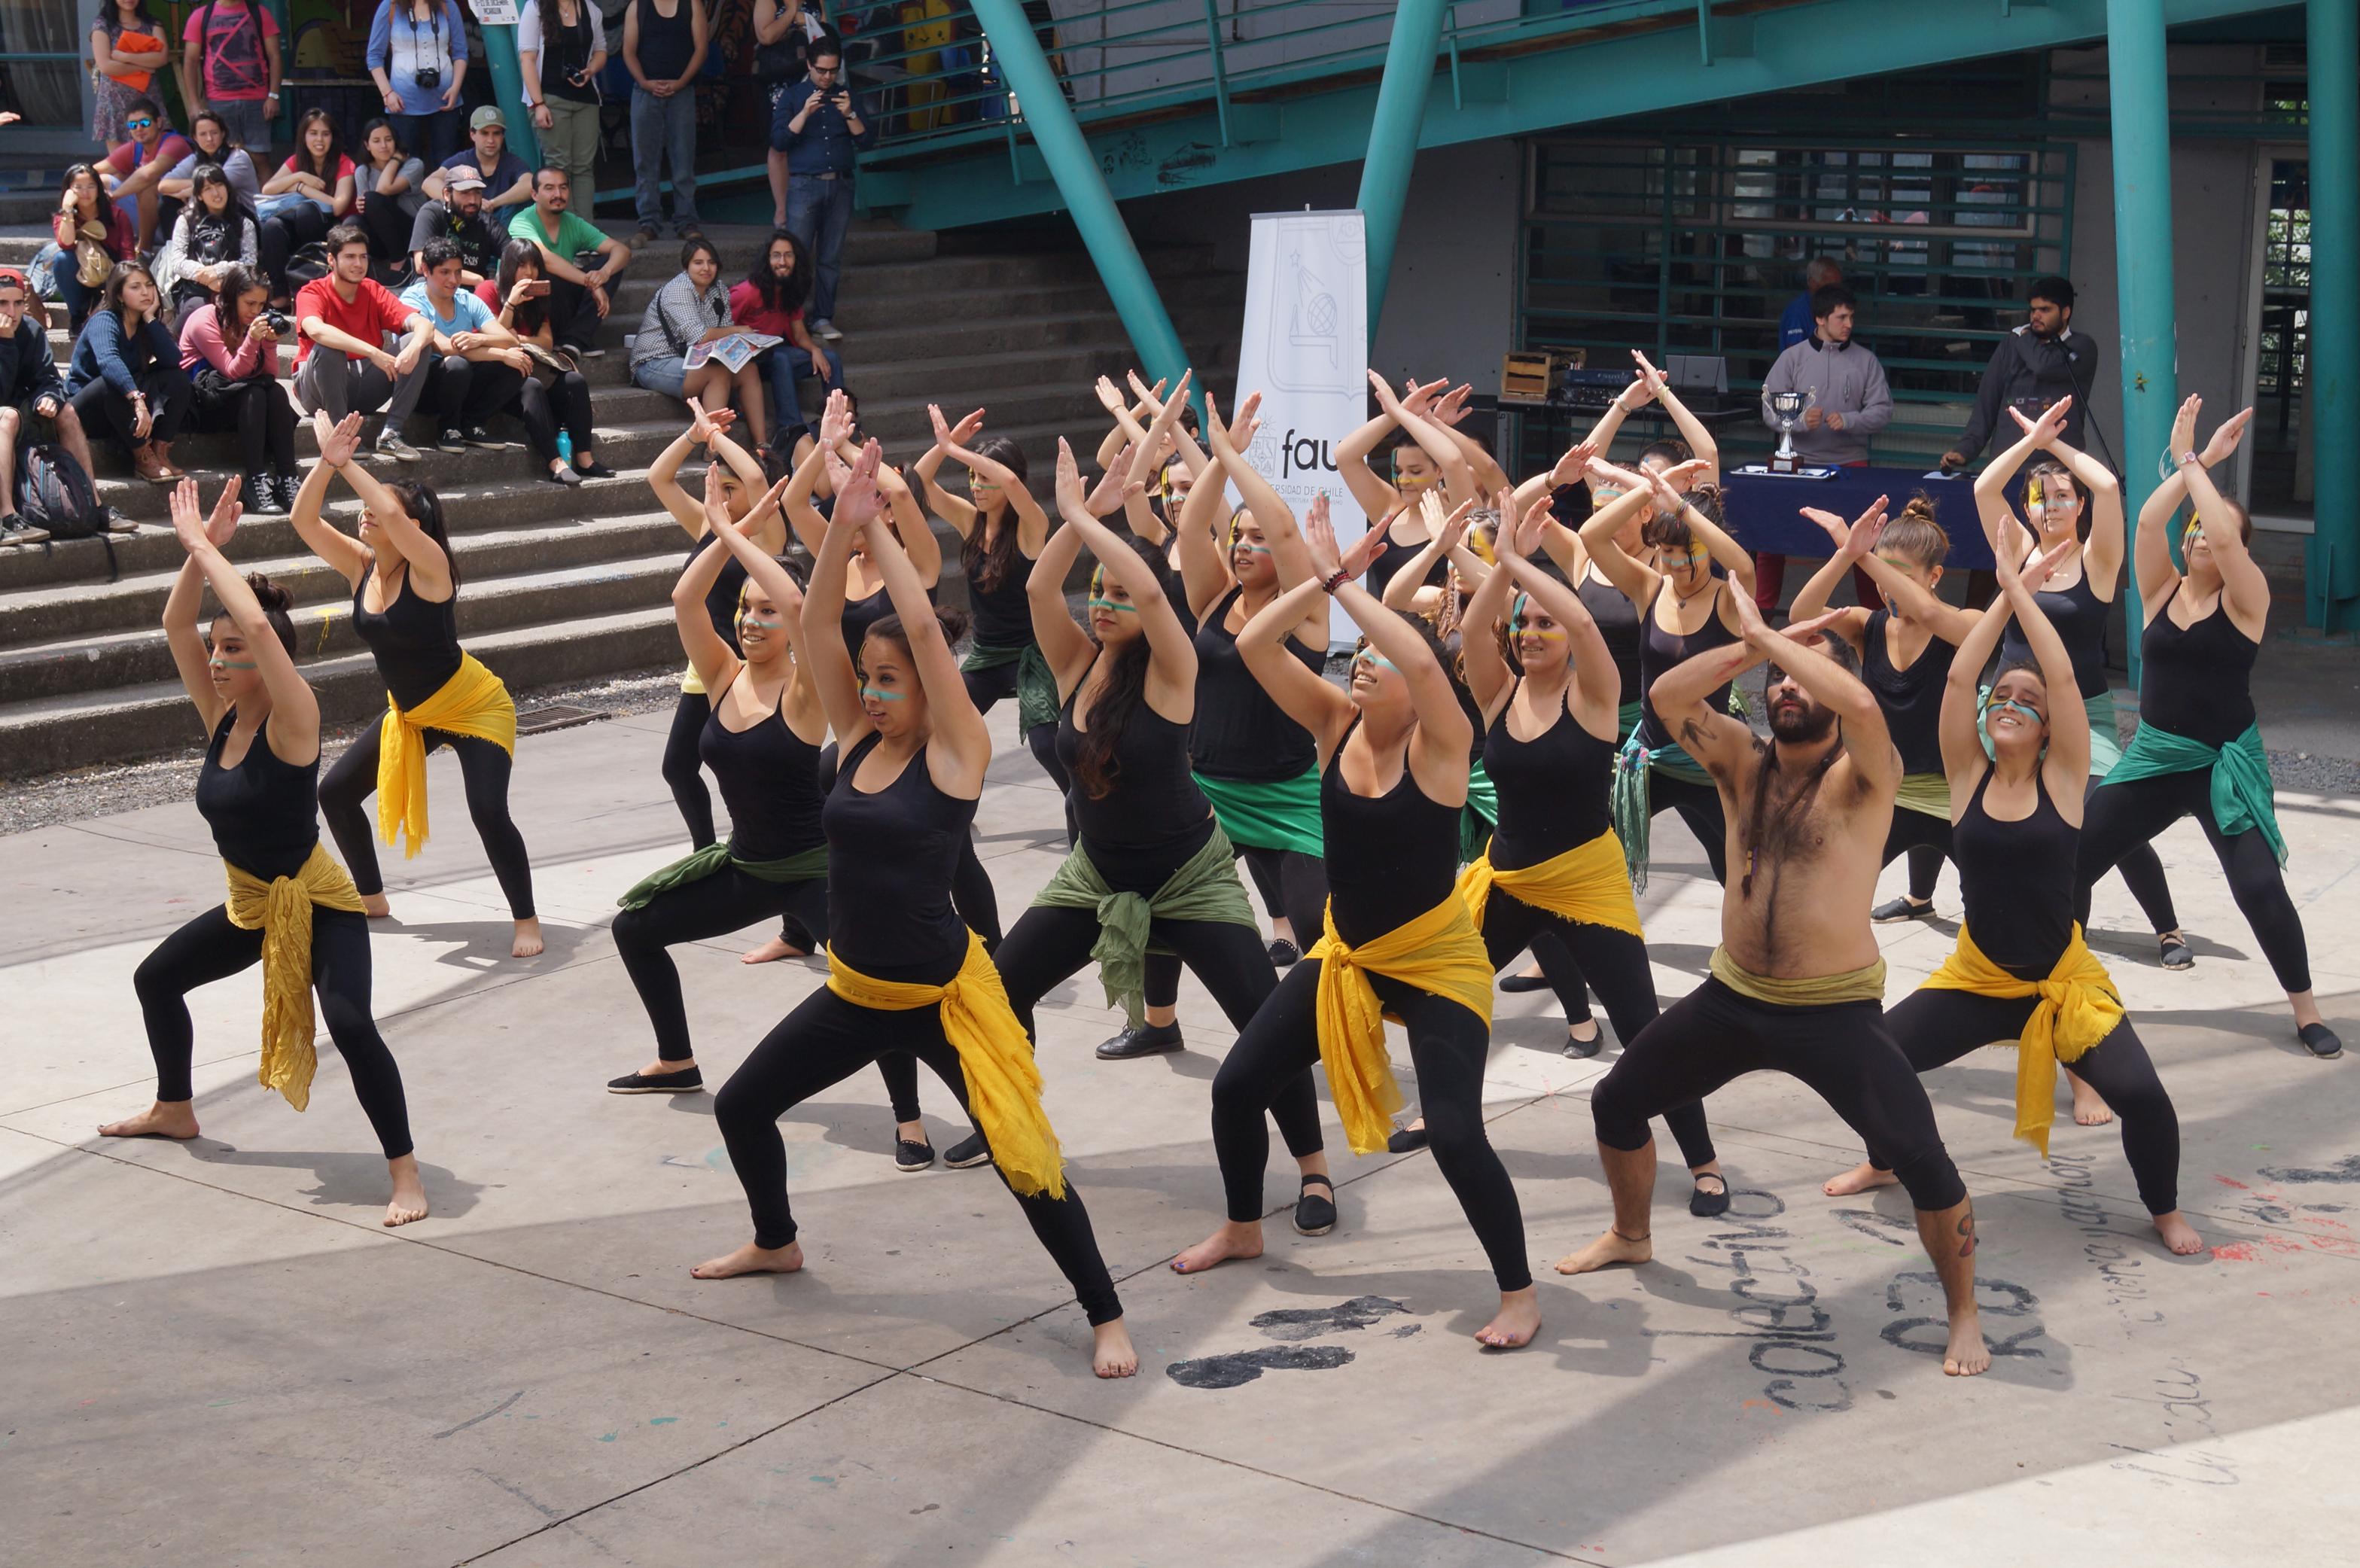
[231, 352]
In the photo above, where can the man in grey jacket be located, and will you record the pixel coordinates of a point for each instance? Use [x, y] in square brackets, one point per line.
[1853, 404]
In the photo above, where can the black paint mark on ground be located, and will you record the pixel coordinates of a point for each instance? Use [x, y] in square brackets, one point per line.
[1309, 1322]
[1406, 1330]
[1878, 1227]
[487, 1415]
[1244, 1366]
[2346, 1169]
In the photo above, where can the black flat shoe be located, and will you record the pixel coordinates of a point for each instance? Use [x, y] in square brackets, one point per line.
[1704, 1204]
[1406, 1141]
[1583, 1050]
[2176, 955]
[1315, 1215]
[2320, 1041]
[656, 1082]
[593, 471]
[908, 1155]
[1514, 984]
[1283, 952]
[1147, 1039]
[1901, 908]
[968, 1151]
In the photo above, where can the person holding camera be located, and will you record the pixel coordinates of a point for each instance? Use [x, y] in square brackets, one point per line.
[30, 387]
[559, 51]
[230, 350]
[418, 56]
[821, 129]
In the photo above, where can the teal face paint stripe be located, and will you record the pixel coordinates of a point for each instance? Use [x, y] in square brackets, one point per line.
[881, 695]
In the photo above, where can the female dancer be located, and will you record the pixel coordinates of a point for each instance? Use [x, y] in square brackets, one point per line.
[2199, 750]
[1002, 529]
[903, 973]
[2021, 970]
[290, 907]
[1392, 783]
[1549, 693]
[1424, 457]
[404, 594]
[2061, 487]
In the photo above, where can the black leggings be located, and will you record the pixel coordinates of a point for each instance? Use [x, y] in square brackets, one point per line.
[102, 409]
[209, 948]
[826, 1040]
[1446, 1046]
[2123, 816]
[280, 237]
[683, 770]
[1619, 962]
[730, 900]
[1926, 840]
[1938, 1027]
[2142, 871]
[1699, 807]
[351, 779]
[258, 409]
[1842, 1052]
[1293, 885]
[466, 392]
[985, 688]
[545, 408]
[388, 230]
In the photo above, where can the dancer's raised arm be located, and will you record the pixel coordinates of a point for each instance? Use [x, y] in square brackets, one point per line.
[707, 431]
[1124, 585]
[343, 554]
[2244, 588]
[294, 710]
[428, 565]
[1990, 485]
[1705, 450]
[1458, 475]
[2102, 552]
[1270, 512]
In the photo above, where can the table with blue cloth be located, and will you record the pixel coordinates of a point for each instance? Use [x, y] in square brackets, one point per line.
[1763, 511]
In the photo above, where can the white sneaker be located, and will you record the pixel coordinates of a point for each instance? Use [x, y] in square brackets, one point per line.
[828, 330]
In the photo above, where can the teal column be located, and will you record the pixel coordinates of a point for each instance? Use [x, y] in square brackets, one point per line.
[2139, 86]
[1017, 52]
[507, 86]
[2331, 384]
[1392, 138]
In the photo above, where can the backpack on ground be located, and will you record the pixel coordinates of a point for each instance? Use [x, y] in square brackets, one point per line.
[53, 493]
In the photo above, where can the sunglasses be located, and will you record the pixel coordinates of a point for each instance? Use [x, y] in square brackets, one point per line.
[137, 124]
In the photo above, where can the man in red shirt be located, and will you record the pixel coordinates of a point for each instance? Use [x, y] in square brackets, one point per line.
[132, 170]
[341, 362]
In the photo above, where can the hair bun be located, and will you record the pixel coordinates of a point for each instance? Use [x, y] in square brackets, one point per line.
[953, 622]
[270, 594]
[1921, 505]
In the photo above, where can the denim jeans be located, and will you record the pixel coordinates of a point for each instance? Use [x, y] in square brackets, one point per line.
[664, 130]
[785, 365]
[248, 127]
[819, 212]
[432, 137]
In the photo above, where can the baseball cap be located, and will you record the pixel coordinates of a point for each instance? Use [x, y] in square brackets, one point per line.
[487, 119]
[461, 177]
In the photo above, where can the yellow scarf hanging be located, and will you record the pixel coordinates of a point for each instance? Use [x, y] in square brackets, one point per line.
[281, 910]
[2079, 1008]
[1438, 952]
[1865, 984]
[1003, 1084]
[1586, 885]
[472, 703]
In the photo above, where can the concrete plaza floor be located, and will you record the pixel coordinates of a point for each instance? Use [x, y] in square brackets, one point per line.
[215, 1355]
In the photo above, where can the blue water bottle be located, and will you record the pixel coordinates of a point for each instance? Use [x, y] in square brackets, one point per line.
[566, 448]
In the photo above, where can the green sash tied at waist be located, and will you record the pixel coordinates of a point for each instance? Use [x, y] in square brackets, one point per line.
[1036, 686]
[1927, 794]
[1267, 813]
[1629, 800]
[811, 865]
[2242, 797]
[1204, 887]
[1481, 815]
[1626, 721]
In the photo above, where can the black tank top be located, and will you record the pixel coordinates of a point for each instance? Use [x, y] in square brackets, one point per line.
[1618, 623]
[1003, 614]
[2198, 683]
[2080, 618]
[721, 599]
[770, 779]
[2017, 881]
[1240, 732]
[1391, 857]
[1454, 657]
[1154, 817]
[1659, 650]
[890, 860]
[1553, 788]
[1388, 566]
[666, 43]
[264, 812]
[859, 615]
[416, 642]
[1911, 698]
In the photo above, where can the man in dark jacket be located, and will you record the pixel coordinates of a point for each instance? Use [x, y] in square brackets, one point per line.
[2040, 362]
[29, 387]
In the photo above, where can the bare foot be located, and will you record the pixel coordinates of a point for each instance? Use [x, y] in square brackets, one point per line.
[1859, 1179]
[408, 1193]
[2178, 1235]
[374, 906]
[1111, 1355]
[773, 951]
[528, 942]
[1966, 1354]
[2089, 1109]
[752, 1259]
[1518, 1319]
[174, 1118]
[1232, 1240]
[1611, 1249]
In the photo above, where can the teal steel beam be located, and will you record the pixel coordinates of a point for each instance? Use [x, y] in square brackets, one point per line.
[1393, 137]
[2139, 88]
[1016, 50]
[1220, 71]
[507, 86]
[2331, 372]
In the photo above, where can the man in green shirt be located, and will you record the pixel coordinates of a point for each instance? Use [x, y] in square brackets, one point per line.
[577, 285]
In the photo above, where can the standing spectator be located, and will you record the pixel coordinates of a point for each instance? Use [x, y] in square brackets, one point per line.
[230, 352]
[692, 308]
[561, 55]
[508, 182]
[30, 387]
[822, 136]
[128, 48]
[2034, 366]
[771, 301]
[665, 51]
[783, 30]
[459, 218]
[300, 202]
[126, 373]
[1794, 323]
[568, 242]
[214, 145]
[475, 364]
[554, 394]
[1853, 404]
[418, 55]
[86, 212]
[213, 235]
[230, 65]
[132, 170]
[387, 195]
[342, 363]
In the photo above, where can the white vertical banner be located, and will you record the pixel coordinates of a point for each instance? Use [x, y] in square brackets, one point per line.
[1305, 350]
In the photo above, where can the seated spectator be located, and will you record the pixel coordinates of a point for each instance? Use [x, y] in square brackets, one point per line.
[232, 66]
[230, 351]
[128, 48]
[30, 388]
[312, 190]
[693, 309]
[475, 364]
[214, 234]
[418, 53]
[555, 394]
[771, 301]
[342, 363]
[132, 170]
[508, 179]
[86, 213]
[387, 185]
[127, 373]
[214, 145]
[578, 257]
[459, 217]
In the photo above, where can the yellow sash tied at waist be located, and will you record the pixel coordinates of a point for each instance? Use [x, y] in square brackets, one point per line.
[1438, 952]
[1586, 885]
[1003, 1084]
[281, 909]
[2079, 1008]
[1865, 984]
[472, 703]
